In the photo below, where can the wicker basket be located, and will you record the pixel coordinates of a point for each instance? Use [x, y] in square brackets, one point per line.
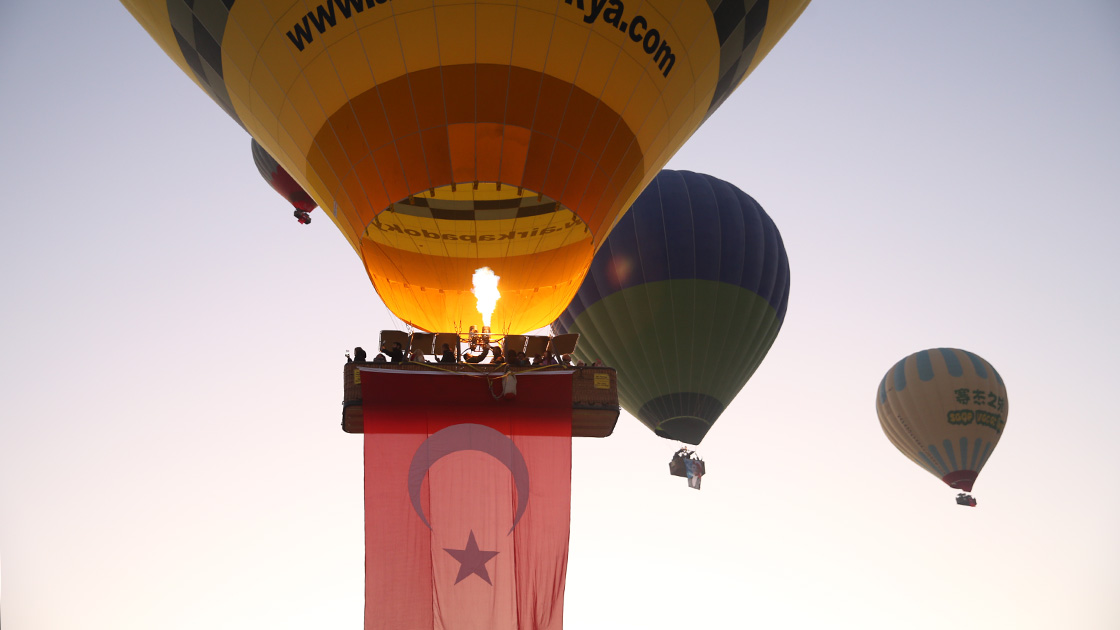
[594, 393]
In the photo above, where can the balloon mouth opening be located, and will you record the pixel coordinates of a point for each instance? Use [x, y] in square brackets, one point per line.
[496, 220]
[961, 479]
[500, 201]
[680, 416]
[687, 429]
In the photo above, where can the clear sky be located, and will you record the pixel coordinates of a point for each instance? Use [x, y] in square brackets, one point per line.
[944, 173]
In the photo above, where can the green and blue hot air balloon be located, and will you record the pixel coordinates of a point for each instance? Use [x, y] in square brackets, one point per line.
[684, 299]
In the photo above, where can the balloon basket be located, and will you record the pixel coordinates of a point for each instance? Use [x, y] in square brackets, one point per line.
[686, 463]
[594, 390]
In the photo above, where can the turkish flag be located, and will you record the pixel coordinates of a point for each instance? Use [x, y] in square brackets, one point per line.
[468, 500]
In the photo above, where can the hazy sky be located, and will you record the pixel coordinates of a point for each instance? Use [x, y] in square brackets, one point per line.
[943, 174]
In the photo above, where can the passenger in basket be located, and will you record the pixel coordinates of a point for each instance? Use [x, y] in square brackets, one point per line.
[522, 360]
[395, 354]
[598, 363]
[497, 358]
[565, 360]
[448, 355]
[359, 355]
[416, 357]
[547, 359]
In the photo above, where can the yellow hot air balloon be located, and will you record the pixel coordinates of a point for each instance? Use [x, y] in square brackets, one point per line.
[443, 137]
[945, 409]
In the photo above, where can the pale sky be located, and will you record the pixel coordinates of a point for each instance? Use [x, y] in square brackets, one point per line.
[943, 174]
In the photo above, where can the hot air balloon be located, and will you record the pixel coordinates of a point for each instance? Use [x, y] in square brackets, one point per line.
[684, 299]
[945, 409]
[443, 137]
[283, 183]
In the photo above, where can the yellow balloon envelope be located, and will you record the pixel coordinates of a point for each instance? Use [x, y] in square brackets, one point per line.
[945, 409]
[442, 137]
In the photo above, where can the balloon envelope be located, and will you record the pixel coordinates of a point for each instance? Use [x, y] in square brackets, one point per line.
[684, 299]
[945, 409]
[280, 180]
[442, 137]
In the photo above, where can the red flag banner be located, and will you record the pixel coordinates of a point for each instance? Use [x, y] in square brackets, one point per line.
[468, 501]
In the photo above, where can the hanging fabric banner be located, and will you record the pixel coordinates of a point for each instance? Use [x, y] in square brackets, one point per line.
[468, 501]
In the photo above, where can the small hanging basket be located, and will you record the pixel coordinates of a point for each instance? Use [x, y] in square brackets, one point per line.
[682, 460]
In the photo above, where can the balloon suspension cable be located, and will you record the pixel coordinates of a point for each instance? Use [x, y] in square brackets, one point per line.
[393, 316]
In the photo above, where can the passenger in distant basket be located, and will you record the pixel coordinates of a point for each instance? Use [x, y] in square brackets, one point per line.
[416, 357]
[598, 363]
[359, 355]
[380, 358]
[477, 358]
[565, 360]
[580, 364]
[547, 359]
[395, 354]
[497, 358]
[448, 354]
[522, 360]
